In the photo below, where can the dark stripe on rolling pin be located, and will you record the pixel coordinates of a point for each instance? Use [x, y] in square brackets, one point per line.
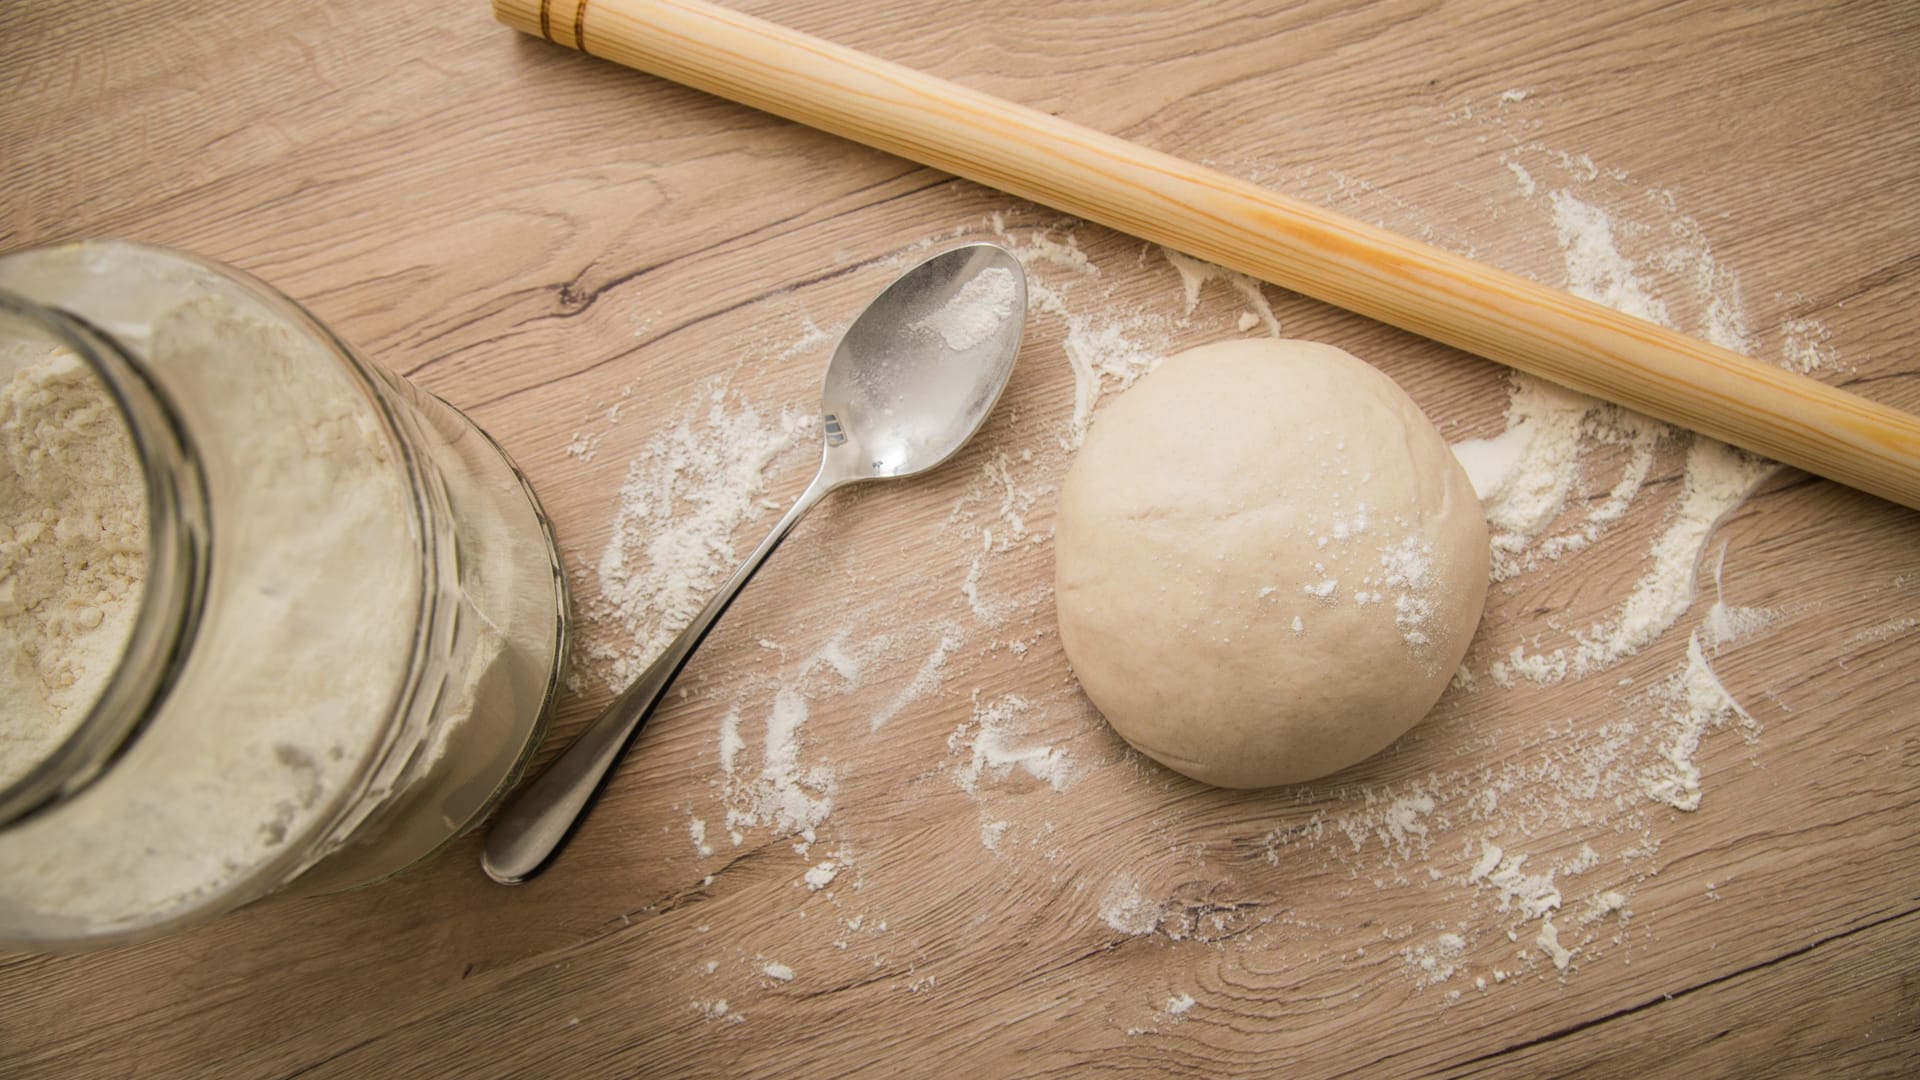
[546, 20]
[580, 26]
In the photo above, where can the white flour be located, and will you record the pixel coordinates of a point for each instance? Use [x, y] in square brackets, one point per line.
[821, 876]
[1106, 346]
[1486, 827]
[73, 544]
[674, 521]
[1717, 477]
[976, 314]
[259, 735]
[788, 795]
[1699, 704]
[1595, 267]
[1125, 908]
[293, 741]
[1194, 275]
[989, 746]
[927, 679]
[785, 796]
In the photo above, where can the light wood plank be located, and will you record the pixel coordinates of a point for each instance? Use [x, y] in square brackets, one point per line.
[529, 232]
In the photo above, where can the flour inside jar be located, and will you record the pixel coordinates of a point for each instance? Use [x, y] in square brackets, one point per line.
[73, 523]
[372, 629]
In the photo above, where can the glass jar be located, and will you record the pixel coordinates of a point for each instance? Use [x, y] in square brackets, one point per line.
[330, 646]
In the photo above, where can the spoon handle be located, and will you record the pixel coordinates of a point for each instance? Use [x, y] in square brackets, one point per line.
[537, 821]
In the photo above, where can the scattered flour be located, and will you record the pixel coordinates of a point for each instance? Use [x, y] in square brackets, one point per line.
[1549, 942]
[1194, 275]
[1884, 632]
[925, 681]
[983, 305]
[1605, 904]
[1699, 703]
[822, 876]
[674, 521]
[1532, 895]
[993, 834]
[1806, 345]
[1564, 471]
[989, 740]
[1106, 349]
[1127, 909]
[1437, 961]
[1525, 474]
[1717, 478]
[1595, 267]
[785, 796]
[1725, 624]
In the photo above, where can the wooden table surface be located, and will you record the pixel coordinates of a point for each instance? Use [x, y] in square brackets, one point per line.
[628, 282]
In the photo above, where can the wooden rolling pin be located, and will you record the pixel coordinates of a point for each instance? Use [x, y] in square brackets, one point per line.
[1212, 216]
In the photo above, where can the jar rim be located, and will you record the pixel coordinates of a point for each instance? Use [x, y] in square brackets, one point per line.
[137, 295]
[173, 592]
[116, 328]
[417, 492]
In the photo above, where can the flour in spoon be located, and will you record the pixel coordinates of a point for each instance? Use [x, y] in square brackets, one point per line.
[977, 312]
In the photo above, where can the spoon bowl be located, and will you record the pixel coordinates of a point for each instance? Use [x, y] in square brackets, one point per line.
[919, 371]
[910, 382]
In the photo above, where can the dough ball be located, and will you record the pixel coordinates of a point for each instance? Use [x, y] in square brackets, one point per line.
[1268, 563]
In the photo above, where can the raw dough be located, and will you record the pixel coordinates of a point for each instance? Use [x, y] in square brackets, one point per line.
[1267, 563]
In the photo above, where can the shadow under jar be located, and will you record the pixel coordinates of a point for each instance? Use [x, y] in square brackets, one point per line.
[277, 618]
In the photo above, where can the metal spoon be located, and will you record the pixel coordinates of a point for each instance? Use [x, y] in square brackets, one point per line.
[910, 382]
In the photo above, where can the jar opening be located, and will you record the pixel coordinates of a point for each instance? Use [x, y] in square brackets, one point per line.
[170, 593]
[364, 664]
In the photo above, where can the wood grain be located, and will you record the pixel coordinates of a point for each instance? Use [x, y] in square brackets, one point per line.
[1296, 245]
[540, 237]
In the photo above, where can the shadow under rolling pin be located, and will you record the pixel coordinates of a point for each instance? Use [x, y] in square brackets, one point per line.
[1209, 215]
